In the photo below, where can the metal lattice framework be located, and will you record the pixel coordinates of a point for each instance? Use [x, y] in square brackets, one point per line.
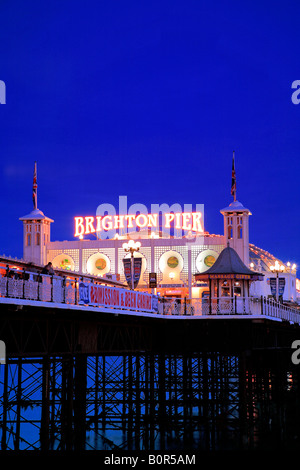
[74, 380]
[139, 401]
[146, 402]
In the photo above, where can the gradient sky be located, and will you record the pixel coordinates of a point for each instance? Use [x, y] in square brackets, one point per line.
[148, 100]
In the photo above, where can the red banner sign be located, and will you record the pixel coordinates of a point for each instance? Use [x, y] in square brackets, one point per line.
[121, 298]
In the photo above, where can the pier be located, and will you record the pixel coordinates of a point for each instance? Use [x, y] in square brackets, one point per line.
[185, 375]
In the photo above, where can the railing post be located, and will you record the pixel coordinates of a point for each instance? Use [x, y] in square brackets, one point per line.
[64, 289]
[7, 271]
[163, 305]
[39, 281]
[235, 304]
[210, 296]
[23, 277]
[52, 297]
[185, 305]
[76, 291]
[261, 305]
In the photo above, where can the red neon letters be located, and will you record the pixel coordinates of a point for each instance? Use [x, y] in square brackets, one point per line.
[181, 220]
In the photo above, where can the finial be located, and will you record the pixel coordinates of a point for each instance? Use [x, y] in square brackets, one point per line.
[233, 180]
[34, 188]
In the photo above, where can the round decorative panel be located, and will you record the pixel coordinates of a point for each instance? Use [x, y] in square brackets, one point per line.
[100, 264]
[209, 260]
[172, 262]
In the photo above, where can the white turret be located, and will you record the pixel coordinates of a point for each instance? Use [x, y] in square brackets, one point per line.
[236, 224]
[36, 233]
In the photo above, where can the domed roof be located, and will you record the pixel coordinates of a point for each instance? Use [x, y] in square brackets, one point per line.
[262, 258]
[229, 262]
[36, 214]
[235, 206]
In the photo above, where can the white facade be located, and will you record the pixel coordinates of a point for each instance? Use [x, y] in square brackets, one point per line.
[236, 229]
[36, 236]
[261, 261]
[175, 260]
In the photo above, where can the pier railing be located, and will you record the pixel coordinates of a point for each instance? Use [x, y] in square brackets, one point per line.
[81, 291]
[66, 290]
[41, 287]
[225, 306]
[217, 306]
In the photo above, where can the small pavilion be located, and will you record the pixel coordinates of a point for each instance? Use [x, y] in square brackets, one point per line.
[229, 283]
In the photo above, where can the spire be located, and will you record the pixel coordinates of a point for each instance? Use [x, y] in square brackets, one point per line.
[233, 180]
[34, 188]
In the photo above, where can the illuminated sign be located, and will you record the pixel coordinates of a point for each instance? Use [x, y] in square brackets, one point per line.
[114, 297]
[230, 276]
[152, 280]
[189, 221]
[253, 276]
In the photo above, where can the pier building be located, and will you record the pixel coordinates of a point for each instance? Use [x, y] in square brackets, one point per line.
[175, 249]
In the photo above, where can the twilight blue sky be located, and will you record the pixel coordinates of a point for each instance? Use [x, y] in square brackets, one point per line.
[148, 100]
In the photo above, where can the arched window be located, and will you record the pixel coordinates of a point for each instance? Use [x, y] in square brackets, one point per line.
[229, 235]
[240, 231]
[28, 239]
[37, 238]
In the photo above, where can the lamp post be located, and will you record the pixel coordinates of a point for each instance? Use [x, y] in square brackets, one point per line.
[131, 247]
[277, 268]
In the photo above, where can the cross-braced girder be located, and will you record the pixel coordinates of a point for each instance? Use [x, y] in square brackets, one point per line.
[143, 401]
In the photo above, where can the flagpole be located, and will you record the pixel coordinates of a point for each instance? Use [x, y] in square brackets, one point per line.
[233, 179]
[34, 188]
[132, 273]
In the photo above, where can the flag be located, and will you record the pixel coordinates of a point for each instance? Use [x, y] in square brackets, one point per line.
[34, 188]
[132, 272]
[233, 180]
[127, 270]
